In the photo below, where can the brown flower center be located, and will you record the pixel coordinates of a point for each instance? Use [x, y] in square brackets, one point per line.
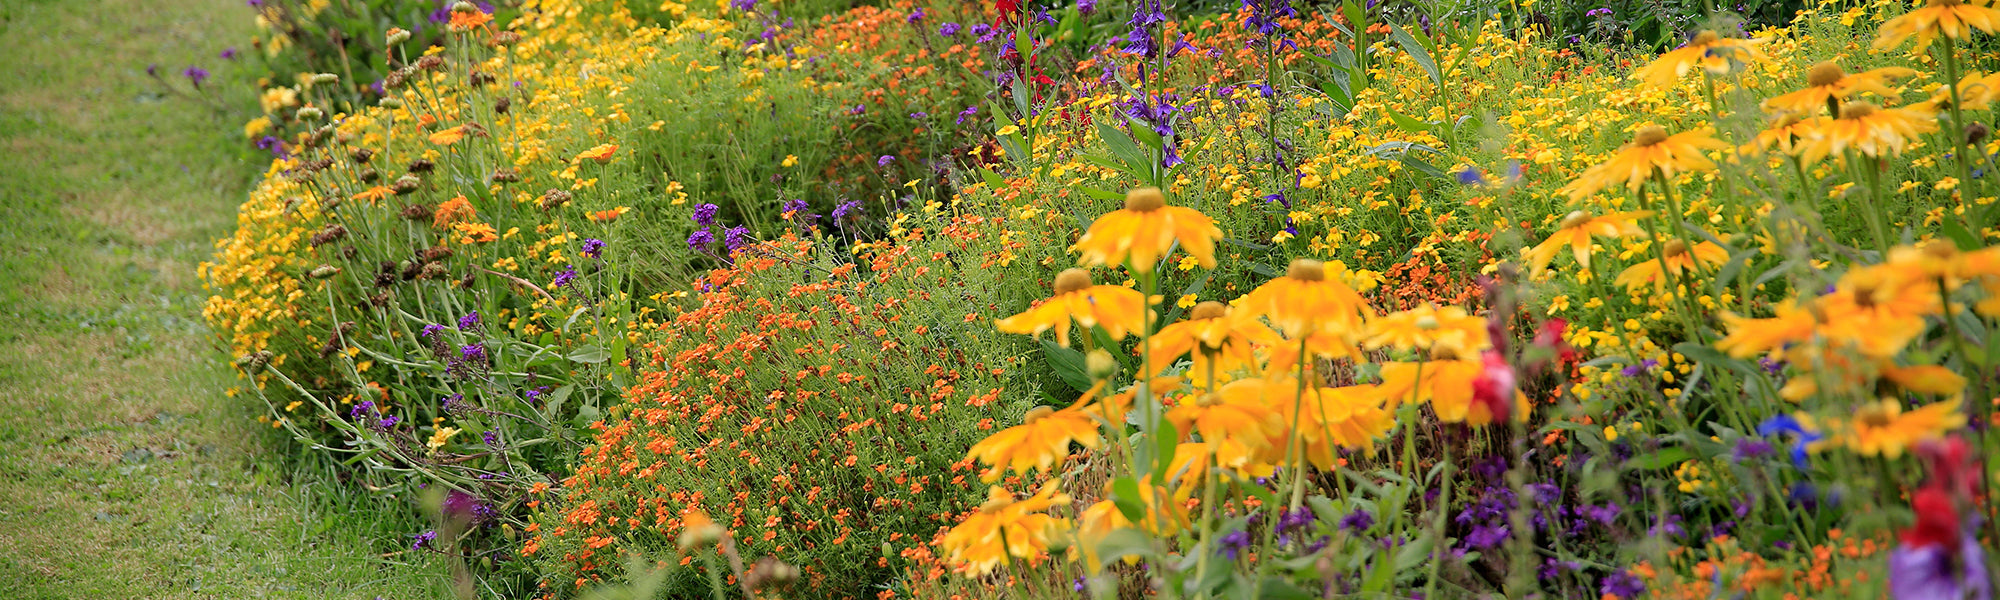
[1443, 352]
[1706, 37]
[1941, 250]
[1824, 74]
[1071, 280]
[1873, 416]
[1649, 135]
[1208, 310]
[1675, 248]
[1858, 110]
[1036, 414]
[1575, 219]
[1145, 199]
[1306, 269]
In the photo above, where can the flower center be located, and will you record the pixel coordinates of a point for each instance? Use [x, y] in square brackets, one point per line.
[1941, 250]
[1036, 414]
[1676, 248]
[1575, 219]
[1145, 199]
[1649, 135]
[1428, 322]
[995, 505]
[1706, 37]
[1208, 310]
[1824, 74]
[1443, 352]
[1208, 400]
[1874, 416]
[1306, 269]
[1858, 110]
[1071, 280]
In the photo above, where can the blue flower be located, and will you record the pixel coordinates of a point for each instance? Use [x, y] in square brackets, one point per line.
[1783, 424]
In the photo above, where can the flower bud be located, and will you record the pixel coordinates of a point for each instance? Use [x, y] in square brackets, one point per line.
[1976, 132]
[461, 6]
[325, 271]
[325, 78]
[398, 35]
[310, 113]
[1101, 365]
[391, 103]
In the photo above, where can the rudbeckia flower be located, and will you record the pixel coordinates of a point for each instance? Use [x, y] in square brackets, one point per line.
[1869, 129]
[1954, 18]
[1120, 310]
[1447, 382]
[1827, 86]
[1785, 132]
[1976, 92]
[1237, 412]
[1005, 527]
[1651, 151]
[1309, 300]
[1750, 337]
[1220, 338]
[1428, 326]
[1878, 310]
[1711, 51]
[1327, 418]
[1884, 428]
[1576, 230]
[1164, 514]
[1145, 230]
[1040, 441]
[1681, 258]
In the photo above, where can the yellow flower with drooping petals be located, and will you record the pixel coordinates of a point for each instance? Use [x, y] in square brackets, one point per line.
[1145, 230]
[1309, 300]
[1680, 260]
[1976, 91]
[1955, 19]
[1039, 442]
[1883, 428]
[1120, 310]
[1230, 414]
[1576, 230]
[441, 437]
[1218, 336]
[1750, 337]
[1709, 50]
[1445, 382]
[1327, 418]
[1428, 326]
[1827, 86]
[1650, 152]
[1869, 129]
[1785, 132]
[1005, 527]
[1878, 309]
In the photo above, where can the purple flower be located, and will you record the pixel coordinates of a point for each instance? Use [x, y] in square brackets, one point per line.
[433, 329]
[362, 411]
[152, 70]
[229, 53]
[699, 241]
[743, 5]
[1751, 448]
[256, 3]
[1358, 521]
[1471, 176]
[273, 144]
[469, 321]
[842, 212]
[885, 160]
[564, 278]
[593, 248]
[795, 206]
[969, 110]
[1783, 424]
[1486, 536]
[984, 31]
[1622, 584]
[1639, 369]
[1935, 571]
[948, 29]
[1235, 542]
[475, 352]
[452, 401]
[388, 422]
[492, 438]
[704, 214]
[736, 238]
[1086, 7]
[423, 540]
[1605, 514]
[858, 109]
[915, 16]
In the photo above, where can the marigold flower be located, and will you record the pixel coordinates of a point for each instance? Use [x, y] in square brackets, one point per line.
[1708, 49]
[1308, 300]
[1040, 441]
[1954, 18]
[1680, 259]
[1221, 339]
[601, 154]
[1005, 527]
[1120, 310]
[1428, 326]
[1827, 86]
[448, 136]
[609, 215]
[1884, 428]
[1145, 230]
[1651, 152]
[1869, 129]
[1576, 230]
[453, 211]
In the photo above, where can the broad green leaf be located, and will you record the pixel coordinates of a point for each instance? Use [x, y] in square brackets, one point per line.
[1659, 459]
[1068, 364]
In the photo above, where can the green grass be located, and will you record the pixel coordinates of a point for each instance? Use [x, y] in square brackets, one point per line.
[125, 471]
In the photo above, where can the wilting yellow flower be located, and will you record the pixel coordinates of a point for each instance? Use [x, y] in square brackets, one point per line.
[1651, 151]
[1310, 300]
[1428, 326]
[1219, 337]
[1039, 442]
[1005, 527]
[601, 154]
[1884, 428]
[1576, 230]
[1712, 52]
[1681, 259]
[1869, 129]
[1953, 18]
[1827, 86]
[1144, 230]
[441, 437]
[1120, 310]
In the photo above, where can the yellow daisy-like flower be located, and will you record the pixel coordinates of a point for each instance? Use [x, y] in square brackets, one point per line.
[1869, 129]
[1681, 259]
[1714, 53]
[448, 136]
[1236, 412]
[1309, 300]
[1445, 382]
[1651, 151]
[1428, 326]
[1040, 441]
[1145, 230]
[1785, 132]
[1120, 310]
[1976, 91]
[1192, 460]
[601, 154]
[1576, 230]
[441, 437]
[1327, 418]
[1220, 337]
[1878, 310]
[1750, 337]
[1827, 86]
[1884, 428]
[1005, 527]
[1165, 516]
[1955, 19]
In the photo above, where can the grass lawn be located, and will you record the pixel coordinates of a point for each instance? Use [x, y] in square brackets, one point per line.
[125, 471]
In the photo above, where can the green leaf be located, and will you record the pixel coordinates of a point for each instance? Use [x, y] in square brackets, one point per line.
[1165, 440]
[1414, 553]
[1125, 495]
[591, 354]
[1122, 146]
[1068, 364]
[1418, 53]
[1406, 123]
[556, 398]
[1959, 235]
[992, 179]
[1706, 355]
[1102, 194]
[1659, 459]
[1121, 543]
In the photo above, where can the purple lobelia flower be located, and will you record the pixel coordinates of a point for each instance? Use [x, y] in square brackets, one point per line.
[1621, 584]
[885, 160]
[432, 330]
[229, 53]
[474, 353]
[423, 540]
[564, 278]
[949, 29]
[699, 241]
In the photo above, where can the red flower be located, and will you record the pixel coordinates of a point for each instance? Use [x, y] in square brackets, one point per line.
[1493, 391]
[1951, 466]
[1937, 520]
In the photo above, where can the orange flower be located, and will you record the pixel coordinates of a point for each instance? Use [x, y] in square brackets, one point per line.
[1827, 85]
[606, 216]
[1954, 18]
[475, 233]
[1041, 440]
[375, 194]
[1681, 258]
[1145, 230]
[601, 154]
[449, 136]
[1712, 52]
[1309, 300]
[1651, 152]
[1213, 331]
[1869, 129]
[1005, 527]
[453, 211]
[463, 20]
[1120, 310]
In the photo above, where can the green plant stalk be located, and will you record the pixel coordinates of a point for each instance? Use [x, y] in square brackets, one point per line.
[1437, 524]
[1956, 135]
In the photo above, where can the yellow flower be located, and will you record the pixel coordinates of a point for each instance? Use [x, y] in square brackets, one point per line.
[1869, 129]
[1145, 230]
[1310, 300]
[1681, 259]
[601, 154]
[1750, 337]
[1005, 527]
[449, 136]
[1651, 151]
[1883, 428]
[1212, 332]
[1445, 382]
[1327, 418]
[1040, 441]
[1238, 413]
[1164, 516]
[1953, 18]
[1120, 310]
[1712, 52]
[1878, 309]
[1827, 86]
[475, 233]
[1576, 230]
[1977, 91]
[439, 438]
[1785, 131]
[256, 127]
[1427, 326]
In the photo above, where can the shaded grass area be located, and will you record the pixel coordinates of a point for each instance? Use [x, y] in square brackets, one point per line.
[125, 470]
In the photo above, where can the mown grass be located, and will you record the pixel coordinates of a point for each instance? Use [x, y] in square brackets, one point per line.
[125, 470]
